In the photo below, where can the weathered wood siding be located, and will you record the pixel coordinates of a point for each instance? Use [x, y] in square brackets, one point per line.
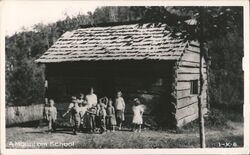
[187, 70]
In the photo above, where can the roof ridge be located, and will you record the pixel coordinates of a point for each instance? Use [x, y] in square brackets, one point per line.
[107, 24]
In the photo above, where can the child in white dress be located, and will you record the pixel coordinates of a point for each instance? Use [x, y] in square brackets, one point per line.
[138, 110]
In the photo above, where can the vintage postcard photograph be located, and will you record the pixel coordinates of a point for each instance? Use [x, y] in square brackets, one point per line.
[103, 76]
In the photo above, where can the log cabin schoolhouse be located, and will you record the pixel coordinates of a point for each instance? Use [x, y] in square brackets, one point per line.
[142, 61]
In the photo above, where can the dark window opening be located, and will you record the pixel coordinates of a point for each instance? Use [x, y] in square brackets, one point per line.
[194, 87]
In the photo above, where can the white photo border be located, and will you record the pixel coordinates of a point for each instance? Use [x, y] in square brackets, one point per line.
[246, 67]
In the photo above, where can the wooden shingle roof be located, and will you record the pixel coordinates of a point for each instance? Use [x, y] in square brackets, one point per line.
[124, 42]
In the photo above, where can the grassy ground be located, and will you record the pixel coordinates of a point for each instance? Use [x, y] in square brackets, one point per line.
[223, 129]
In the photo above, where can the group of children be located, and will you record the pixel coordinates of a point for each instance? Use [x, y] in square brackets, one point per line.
[96, 117]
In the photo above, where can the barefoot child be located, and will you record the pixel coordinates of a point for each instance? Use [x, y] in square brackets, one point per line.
[75, 114]
[111, 121]
[120, 108]
[98, 117]
[101, 115]
[46, 110]
[138, 110]
[51, 115]
[83, 116]
[82, 112]
[92, 118]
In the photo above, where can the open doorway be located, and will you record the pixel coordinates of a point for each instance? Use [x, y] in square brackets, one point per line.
[106, 87]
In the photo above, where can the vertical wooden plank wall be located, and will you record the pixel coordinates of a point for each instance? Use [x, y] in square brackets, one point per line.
[21, 114]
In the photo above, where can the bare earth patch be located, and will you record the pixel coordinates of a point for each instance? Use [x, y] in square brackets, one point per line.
[28, 137]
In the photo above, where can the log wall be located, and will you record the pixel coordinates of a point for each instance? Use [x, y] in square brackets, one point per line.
[163, 86]
[188, 69]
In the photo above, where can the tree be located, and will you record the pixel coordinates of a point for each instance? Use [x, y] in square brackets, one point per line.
[222, 33]
[202, 24]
